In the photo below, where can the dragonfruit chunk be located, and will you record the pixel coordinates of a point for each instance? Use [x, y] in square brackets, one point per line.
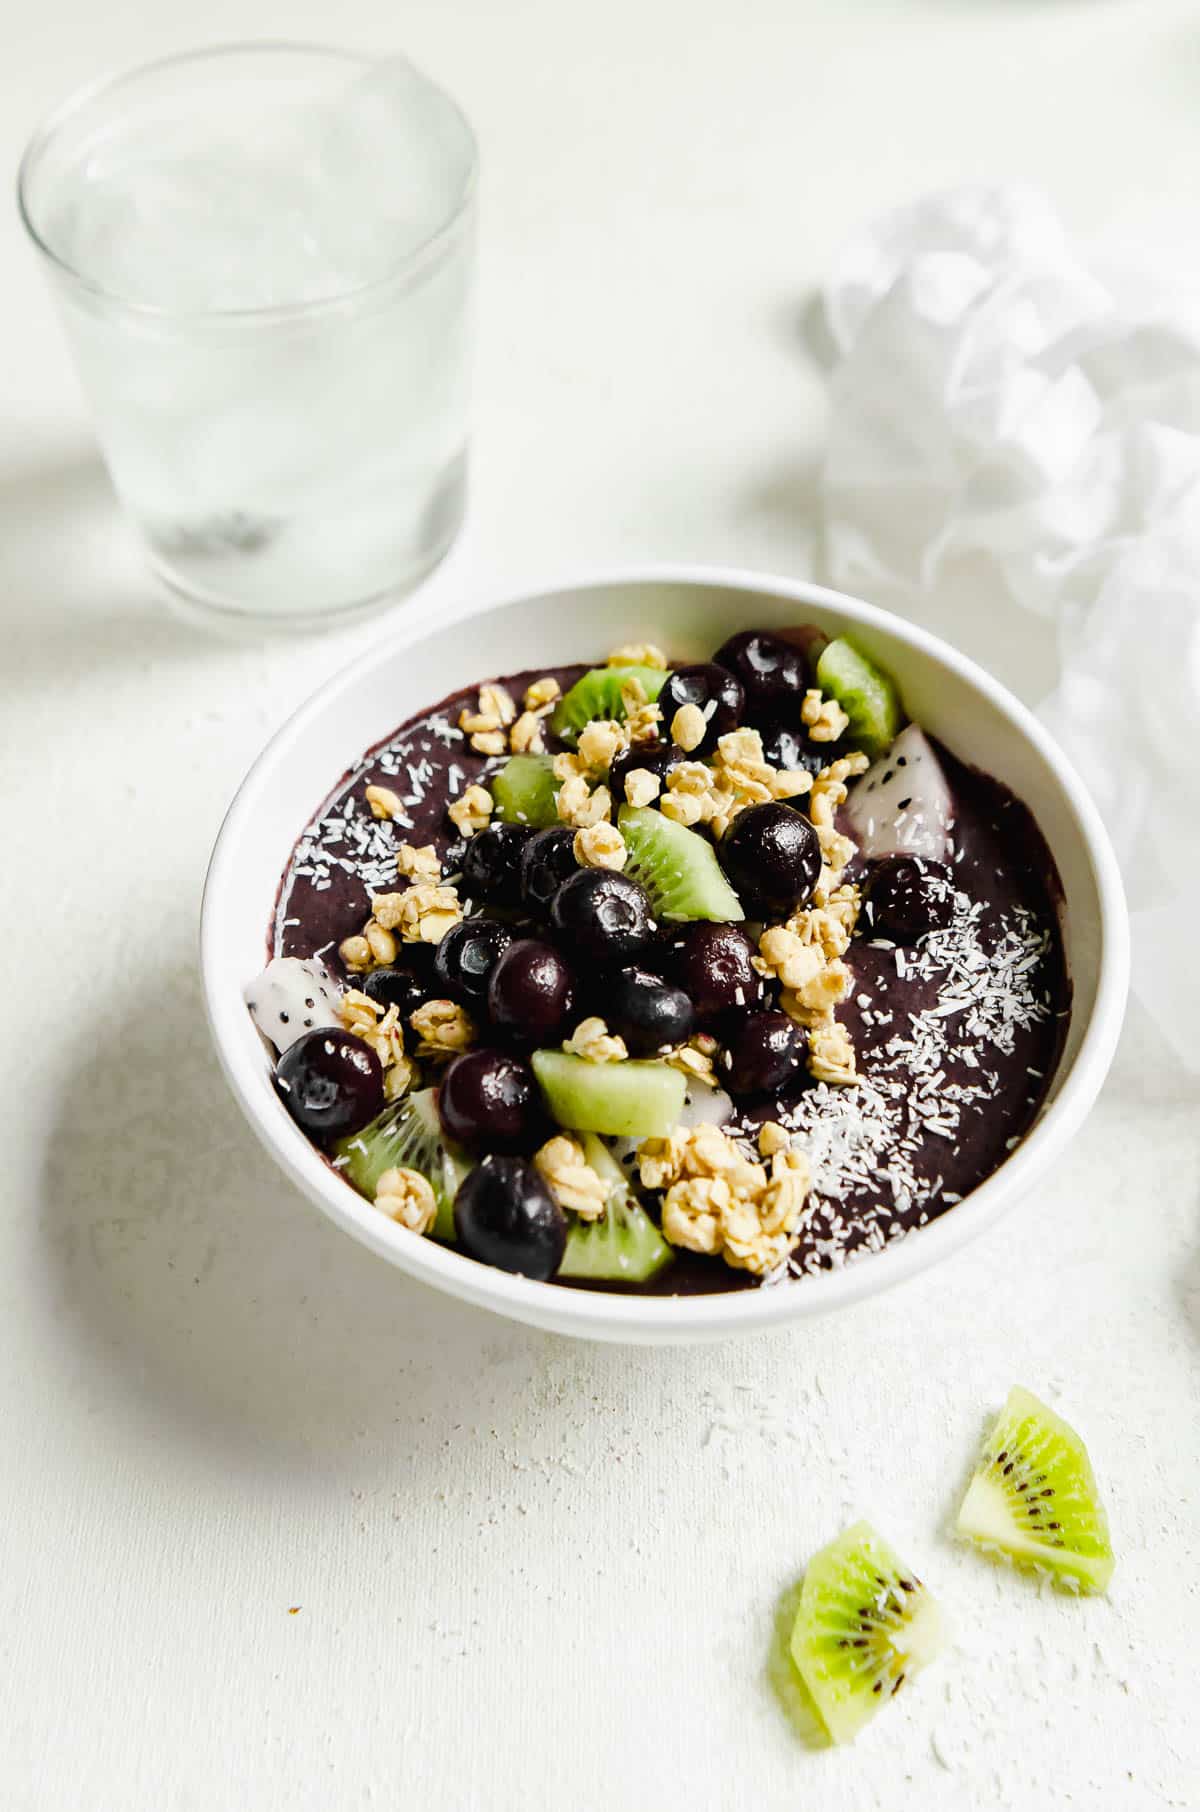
[705, 1104]
[292, 996]
[903, 804]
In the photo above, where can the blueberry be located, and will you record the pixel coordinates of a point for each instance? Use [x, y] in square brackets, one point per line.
[762, 1054]
[330, 1082]
[531, 992]
[658, 757]
[547, 860]
[906, 897]
[772, 856]
[504, 1215]
[773, 673]
[644, 1010]
[397, 986]
[492, 863]
[489, 1101]
[466, 956]
[712, 964]
[717, 693]
[605, 916]
[790, 749]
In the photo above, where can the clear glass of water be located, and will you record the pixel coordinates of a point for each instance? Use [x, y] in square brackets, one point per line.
[264, 260]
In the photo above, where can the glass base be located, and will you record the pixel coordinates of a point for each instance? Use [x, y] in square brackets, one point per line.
[219, 618]
[217, 610]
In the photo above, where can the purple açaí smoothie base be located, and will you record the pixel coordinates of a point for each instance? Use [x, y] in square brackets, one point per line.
[957, 1038]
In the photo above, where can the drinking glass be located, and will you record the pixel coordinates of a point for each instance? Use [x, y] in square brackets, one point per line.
[263, 256]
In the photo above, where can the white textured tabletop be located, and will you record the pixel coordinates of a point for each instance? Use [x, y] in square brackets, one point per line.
[530, 1573]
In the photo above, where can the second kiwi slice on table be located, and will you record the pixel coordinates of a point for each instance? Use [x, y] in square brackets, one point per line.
[1035, 1499]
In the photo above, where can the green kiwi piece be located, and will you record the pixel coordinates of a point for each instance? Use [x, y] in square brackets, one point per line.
[598, 694]
[407, 1135]
[866, 694]
[525, 790]
[677, 867]
[1034, 1497]
[632, 1100]
[624, 1245]
[865, 1625]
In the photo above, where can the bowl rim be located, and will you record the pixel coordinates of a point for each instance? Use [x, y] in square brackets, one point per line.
[614, 1314]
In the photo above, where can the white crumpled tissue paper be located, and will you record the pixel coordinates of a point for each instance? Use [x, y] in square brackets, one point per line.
[995, 393]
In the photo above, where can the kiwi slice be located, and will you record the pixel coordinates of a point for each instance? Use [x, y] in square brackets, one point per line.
[866, 694]
[865, 1625]
[625, 1100]
[525, 790]
[1034, 1497]
[408, 1136]
[598, 694]
[677, 867]
[624, 1244]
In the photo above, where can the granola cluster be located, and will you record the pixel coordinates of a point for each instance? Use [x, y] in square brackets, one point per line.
[689, 727]
[720, 1202]
[421, 914]
[407, 1197]
[496, 727]
[642, 786]
[600, 846]
[577, 802]
[570, 1179]
[415, 864]
[643, 719]
[471, 811]
[638, 654]
[592, 1041]
[805, 953]
[380, 1028]
[822, 717]
[383, 802]
[371, 948]
[443, 1029]
[695, 1058]
[829, 791]
[698, 793]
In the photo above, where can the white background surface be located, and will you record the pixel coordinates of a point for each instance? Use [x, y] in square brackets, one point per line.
[530, 1573]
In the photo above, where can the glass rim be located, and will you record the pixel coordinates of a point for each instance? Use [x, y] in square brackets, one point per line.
[61, 115]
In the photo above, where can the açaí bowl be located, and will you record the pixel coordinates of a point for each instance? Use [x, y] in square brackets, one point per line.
[689, 612]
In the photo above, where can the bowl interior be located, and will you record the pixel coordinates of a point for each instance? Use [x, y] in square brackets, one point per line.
[974, 716]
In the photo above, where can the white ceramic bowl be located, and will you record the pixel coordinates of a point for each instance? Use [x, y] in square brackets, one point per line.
[689, 612]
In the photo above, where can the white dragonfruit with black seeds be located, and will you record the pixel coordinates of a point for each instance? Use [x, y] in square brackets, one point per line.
[903, 804]
[293, 995]
[705, 1104]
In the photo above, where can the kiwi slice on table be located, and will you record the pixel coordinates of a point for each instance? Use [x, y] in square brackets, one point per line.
[865, 1625]
[525, 789]
[624, 1244]
[597, 693]
[678, 869]
[1034, 1497]
[632, 1100]
[407, 1136]
[865, 692]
